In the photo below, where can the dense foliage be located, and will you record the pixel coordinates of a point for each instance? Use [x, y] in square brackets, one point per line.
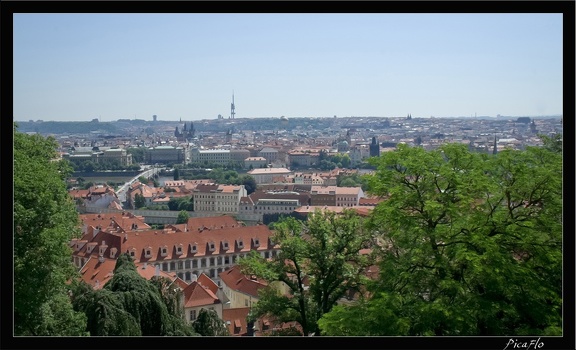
[471, 245]
[319, 262]
[209, 324]
[182, 217]
[130, 305]
[45, 220]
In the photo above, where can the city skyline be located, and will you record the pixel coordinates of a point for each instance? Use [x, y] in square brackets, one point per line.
[78, 67]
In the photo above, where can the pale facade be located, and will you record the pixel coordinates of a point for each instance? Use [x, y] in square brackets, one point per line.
[165, 155]
[218, 156]
[348, 196]
[267, 175]
[222, 199]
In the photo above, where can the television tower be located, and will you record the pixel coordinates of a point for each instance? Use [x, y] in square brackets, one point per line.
[232, 106]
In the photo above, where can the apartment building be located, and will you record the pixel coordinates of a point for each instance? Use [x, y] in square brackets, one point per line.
[224, 199]
[336, 196]
[116, 155]
[255, 162]
[348, 196]
[185, 253]
[323, 195]
[165, 155]
[218, 156]
[267, 175]
[269, 153]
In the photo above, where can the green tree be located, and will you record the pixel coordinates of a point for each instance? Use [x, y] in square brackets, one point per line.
[138, 154]
[45, 220]
[176, 174]
[552, 143]
[319, 262]
[249, 183]
[348, 182]
[139, 201]
[209, 324]
[130, 305]
[471, 245]
[345, 160]
[182, 217]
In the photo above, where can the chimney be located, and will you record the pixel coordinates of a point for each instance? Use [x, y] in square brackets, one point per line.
[157, 270]
[145, 266]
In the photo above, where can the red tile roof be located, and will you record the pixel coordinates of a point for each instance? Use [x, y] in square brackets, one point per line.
[196, 295]
[236, 320]
[236, 280]
[156, 241]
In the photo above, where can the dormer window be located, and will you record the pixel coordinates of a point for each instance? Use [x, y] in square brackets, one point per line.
[193, 248]
[240, 244]
[113, 252]
[164, 251]
[212, 246]
[179, 249]
[225, 244]
[133, 252]
[148, 252]
[256, 242]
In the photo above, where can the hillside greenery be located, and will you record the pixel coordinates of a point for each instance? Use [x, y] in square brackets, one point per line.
[45, 220]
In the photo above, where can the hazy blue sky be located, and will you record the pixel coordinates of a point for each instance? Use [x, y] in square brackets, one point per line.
[111, 66]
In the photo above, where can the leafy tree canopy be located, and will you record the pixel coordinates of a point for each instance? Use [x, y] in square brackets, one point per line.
[319, 262]
[129, 304]
[471, 245]
[209, 324]
[182, 217]
[45, 219]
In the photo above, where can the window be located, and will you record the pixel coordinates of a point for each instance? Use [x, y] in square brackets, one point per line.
[172, 266]
[164, 266]
[148, 253]
[211, 246]
[194, 263]
[212, 262]
[225, 245]
[194, 248]
[187, 264]
[180, 265]
[179, 250]
[132, 254]
[226, 260]
[192, 315]
[203, 263]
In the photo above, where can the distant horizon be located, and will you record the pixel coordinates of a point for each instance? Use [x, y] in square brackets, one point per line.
[193, 66]
[344, 117]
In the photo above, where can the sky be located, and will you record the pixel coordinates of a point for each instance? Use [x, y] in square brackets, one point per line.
[188, 66]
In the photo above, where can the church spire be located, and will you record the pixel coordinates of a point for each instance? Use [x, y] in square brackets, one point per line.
[495, 149]
[232, 107]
